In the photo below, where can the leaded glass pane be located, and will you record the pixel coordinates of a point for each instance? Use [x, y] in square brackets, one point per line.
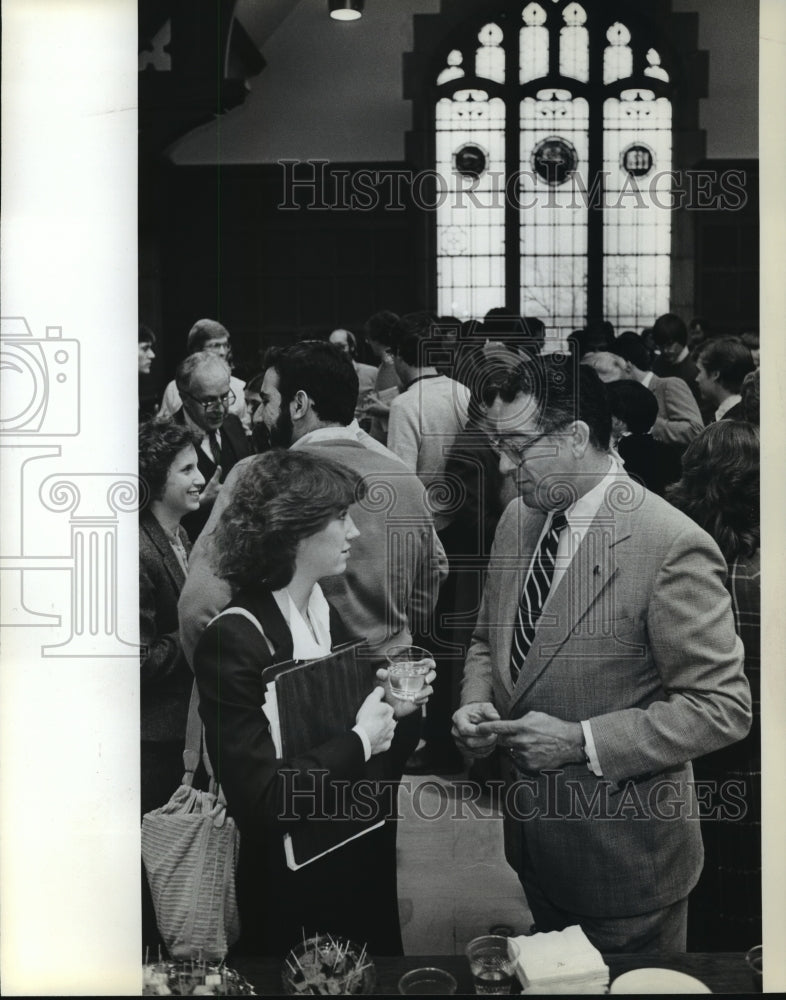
[490, 57]
[470, 212]
[574, 53]
[553, 220]
[533, 52]
[533, 13]
[453, 71]
[617, 56]
[637, 217]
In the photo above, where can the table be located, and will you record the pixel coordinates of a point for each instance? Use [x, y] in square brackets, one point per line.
[723, 972]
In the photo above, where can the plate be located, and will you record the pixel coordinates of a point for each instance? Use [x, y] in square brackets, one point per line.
[657, 981]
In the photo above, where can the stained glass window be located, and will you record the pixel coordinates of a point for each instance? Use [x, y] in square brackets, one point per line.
[470, 239]
[584, 230]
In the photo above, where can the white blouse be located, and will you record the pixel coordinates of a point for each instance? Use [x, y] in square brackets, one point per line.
[307, 643]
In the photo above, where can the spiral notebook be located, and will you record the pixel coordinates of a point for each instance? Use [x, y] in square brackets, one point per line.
[307, 705]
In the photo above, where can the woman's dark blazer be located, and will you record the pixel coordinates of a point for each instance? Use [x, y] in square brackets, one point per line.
[165, 677]
[350, 891]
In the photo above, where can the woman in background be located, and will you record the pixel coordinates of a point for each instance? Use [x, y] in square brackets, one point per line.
[719, 489]
[172, 483]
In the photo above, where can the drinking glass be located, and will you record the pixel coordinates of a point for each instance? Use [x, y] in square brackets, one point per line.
[756, 965]
[492, 961]
[407, 670]
[427, 982]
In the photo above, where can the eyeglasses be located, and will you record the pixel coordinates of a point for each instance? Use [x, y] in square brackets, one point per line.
[217, 402]
[516, 448]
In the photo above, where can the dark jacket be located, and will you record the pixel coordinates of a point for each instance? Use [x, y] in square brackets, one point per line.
[165, 676]
[350, 891]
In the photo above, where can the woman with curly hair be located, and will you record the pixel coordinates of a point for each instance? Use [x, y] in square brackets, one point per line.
[719, 489]
[171, 483]
[287, 526]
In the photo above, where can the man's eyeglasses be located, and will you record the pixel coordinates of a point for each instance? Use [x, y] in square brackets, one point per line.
[215, 402]
[516, 448]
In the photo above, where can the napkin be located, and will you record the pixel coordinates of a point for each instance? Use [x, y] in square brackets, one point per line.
[560, 962]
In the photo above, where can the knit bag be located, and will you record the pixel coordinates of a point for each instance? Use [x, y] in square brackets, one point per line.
[190, 848]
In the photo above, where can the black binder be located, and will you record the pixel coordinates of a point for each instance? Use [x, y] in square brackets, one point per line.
[317, 701]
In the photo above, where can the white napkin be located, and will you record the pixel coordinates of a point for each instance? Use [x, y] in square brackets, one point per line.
[560, 962]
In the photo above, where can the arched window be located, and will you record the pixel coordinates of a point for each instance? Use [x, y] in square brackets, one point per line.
[553, 139]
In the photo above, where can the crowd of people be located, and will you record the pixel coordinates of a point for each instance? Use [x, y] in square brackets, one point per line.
[571, 529]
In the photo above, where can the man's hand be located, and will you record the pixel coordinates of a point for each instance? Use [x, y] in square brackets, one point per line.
[402, 708]
[212, 488]
[466, 728]
[537, 740]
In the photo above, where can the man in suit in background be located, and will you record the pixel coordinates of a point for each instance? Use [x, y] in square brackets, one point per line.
[679, 419]
[723, 365]
[604, 659]
[670, 336]
[203, 385]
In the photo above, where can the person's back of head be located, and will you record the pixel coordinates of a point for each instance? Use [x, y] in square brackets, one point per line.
[411, 337]
[670, 329]
[719, 488]
[203, 331]
[323, 372]
[484, 382]
[750, 397]
[563, 392]
[632, 404]
[730, 358]
[380, 326]
[630, 347]
[525, 335]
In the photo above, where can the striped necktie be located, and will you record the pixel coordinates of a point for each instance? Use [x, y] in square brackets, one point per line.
[536, 589]
[215, 447]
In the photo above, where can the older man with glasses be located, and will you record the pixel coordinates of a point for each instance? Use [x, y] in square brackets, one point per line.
[203, 384]
[604, 660]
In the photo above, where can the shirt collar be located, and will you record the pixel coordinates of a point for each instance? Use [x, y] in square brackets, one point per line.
[349, 433]
[647, 379]
[305, 645]
[728, 404]
[586, 507]
[682, 355]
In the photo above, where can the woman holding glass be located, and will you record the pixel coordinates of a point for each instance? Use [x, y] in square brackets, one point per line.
[287, 526]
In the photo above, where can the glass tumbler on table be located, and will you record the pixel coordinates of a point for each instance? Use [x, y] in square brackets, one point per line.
[407, 670]
[492, 961]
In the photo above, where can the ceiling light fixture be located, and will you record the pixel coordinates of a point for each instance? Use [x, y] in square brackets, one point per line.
[345, 10]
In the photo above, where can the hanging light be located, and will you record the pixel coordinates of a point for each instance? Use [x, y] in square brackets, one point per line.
[345, 10]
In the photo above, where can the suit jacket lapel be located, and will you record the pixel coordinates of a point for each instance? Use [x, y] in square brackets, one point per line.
[582, 586]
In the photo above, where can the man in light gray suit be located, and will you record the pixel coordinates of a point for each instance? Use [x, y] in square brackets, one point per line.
[603, 661]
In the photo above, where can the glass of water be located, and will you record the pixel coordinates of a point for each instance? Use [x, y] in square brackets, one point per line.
[492, 961]
[407, 670]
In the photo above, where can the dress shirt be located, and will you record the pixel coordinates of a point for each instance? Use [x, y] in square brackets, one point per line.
[311, 636]
[579, 517]
[728, 404]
